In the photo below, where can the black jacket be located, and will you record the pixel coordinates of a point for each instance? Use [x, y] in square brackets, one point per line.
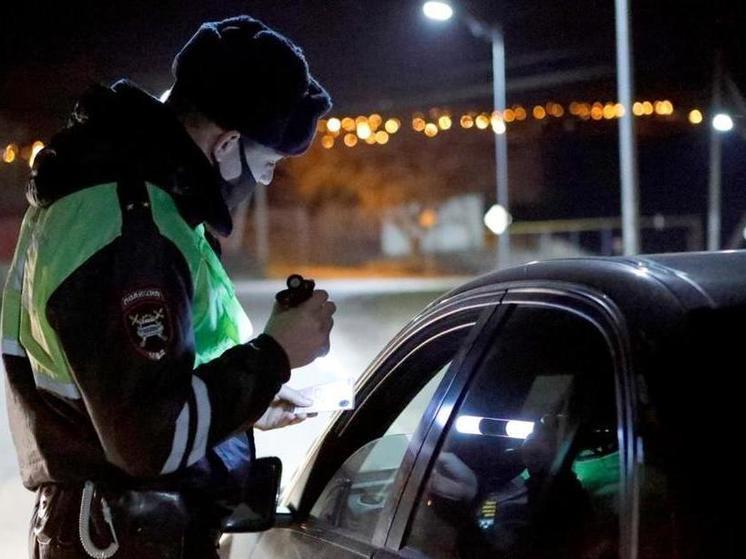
[137, 412]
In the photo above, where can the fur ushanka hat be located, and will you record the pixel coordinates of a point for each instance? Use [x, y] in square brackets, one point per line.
[246, 77]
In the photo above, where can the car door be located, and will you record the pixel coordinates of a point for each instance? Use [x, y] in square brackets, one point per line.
[534, 456]
[348, 496]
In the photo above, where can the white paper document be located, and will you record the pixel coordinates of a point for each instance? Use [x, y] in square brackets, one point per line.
[330, 396]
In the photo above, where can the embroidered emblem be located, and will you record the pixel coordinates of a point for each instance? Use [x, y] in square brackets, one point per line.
[148, 322]
[149, 325]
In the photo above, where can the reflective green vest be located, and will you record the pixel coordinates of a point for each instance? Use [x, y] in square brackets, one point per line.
[88, 220]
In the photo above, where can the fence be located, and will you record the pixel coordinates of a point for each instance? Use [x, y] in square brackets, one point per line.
[349, 237]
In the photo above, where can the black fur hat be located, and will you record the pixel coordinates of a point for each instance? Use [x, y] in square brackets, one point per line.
[246, 77]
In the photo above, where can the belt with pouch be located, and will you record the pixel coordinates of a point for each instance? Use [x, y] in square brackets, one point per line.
[74, 521]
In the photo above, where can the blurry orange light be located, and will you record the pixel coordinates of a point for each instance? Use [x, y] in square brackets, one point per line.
[382, 137]
[574, 108]
[467, 121]
[619, 110]
[637, 109]
[348, 124]
[539, 112]
[597, 111]
[350, 140]
[327, 141]
[370, 140]
[418, 124]
[555, 109]
[608, 111]
[509, 115]
[647, 108]
[428, 218]
[695, 116]
[375, 121]
[10, 153]
[520, 113]
[392, 125]
[431, 130]
[363, 130]
[321, 125]
[444, 122]
[482, 122]
[333, 125]
[35, 149]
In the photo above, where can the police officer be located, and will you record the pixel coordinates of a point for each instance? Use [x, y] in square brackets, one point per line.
[132, 372]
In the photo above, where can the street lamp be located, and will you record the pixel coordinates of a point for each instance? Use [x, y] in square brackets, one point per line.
[439, 11]
[722, 122]
[442, 11]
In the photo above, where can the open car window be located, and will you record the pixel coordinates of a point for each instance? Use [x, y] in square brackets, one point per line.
[354, 498]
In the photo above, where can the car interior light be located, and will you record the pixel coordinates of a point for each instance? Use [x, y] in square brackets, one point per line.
[468, 424]
[492, 427]
[516, 429]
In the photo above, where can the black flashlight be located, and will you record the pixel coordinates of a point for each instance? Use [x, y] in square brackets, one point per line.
[299, 290]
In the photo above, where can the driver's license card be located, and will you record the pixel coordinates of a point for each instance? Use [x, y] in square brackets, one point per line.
[330, 396]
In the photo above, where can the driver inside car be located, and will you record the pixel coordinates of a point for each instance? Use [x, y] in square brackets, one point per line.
[543, 510]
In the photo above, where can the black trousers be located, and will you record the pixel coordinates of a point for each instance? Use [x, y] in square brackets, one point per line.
[148, 525]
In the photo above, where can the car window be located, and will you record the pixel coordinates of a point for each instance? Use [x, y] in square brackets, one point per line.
[355, 496]
[529, 466]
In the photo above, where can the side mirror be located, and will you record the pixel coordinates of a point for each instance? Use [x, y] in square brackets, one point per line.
[256, 511]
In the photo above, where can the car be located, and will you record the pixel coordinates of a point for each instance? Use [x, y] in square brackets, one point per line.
[583, 408]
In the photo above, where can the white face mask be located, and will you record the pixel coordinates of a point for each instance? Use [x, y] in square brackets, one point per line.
[261, 160]
[253, 164]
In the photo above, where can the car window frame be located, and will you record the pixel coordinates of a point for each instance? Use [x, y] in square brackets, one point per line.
[608, 319]
[463, 311]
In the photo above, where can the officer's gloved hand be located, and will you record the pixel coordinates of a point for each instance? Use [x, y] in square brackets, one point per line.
[282, 411]
[303, 331]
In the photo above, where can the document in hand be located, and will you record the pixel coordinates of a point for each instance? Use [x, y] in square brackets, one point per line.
[330, 396]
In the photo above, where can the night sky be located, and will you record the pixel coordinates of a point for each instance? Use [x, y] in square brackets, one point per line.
[369, 53]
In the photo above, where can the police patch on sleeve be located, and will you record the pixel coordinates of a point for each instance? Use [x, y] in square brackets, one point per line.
[148, 322]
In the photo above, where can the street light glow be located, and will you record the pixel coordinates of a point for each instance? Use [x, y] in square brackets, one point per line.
[363, 130]
[35, 149]
[333, 125]
[722, 122]
[10, 154]
[350, 140]
[695, 116]
[497, 219]
[498, 125]
[439, 11]
[392, 125]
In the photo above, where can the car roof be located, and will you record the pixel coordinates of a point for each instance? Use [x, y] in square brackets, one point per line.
[695, 279]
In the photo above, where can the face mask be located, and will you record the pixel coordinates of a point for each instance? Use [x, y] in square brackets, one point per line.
[241, 188]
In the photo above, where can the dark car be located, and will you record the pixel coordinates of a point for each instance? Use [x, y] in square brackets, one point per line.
[583, 408]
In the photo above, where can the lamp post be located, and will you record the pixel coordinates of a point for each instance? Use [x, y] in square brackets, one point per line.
[721, 123]
[627, 141]
[442, 11]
